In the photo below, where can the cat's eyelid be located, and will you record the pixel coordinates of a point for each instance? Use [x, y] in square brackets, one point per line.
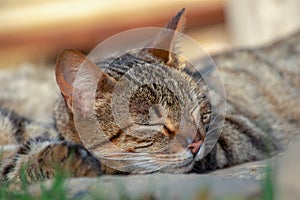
[148, 124]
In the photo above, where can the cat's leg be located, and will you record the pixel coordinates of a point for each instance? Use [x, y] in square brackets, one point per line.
[41, 158]
[16, 130]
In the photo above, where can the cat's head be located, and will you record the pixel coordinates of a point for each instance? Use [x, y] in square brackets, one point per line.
[139, 108]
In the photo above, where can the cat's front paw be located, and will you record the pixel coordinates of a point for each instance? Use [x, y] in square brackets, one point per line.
[73, 159]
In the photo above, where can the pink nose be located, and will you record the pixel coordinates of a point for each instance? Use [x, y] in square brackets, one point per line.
[195, 146]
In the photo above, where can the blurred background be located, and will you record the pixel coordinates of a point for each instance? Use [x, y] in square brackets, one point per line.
[36, 30]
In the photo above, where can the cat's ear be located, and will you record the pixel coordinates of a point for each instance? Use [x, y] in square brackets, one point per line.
[71, 65]
[163, 44]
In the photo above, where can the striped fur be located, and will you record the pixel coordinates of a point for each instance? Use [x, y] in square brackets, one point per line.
[262, 114]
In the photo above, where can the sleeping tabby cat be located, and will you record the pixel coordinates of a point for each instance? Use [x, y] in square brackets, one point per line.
[262, 113]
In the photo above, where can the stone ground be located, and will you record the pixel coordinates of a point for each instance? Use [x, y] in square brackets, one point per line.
[239, 182]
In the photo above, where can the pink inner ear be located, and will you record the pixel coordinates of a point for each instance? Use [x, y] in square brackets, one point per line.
[67, 66]
[73, 69]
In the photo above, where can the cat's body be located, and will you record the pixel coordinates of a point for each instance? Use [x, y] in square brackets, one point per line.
[262, 113]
